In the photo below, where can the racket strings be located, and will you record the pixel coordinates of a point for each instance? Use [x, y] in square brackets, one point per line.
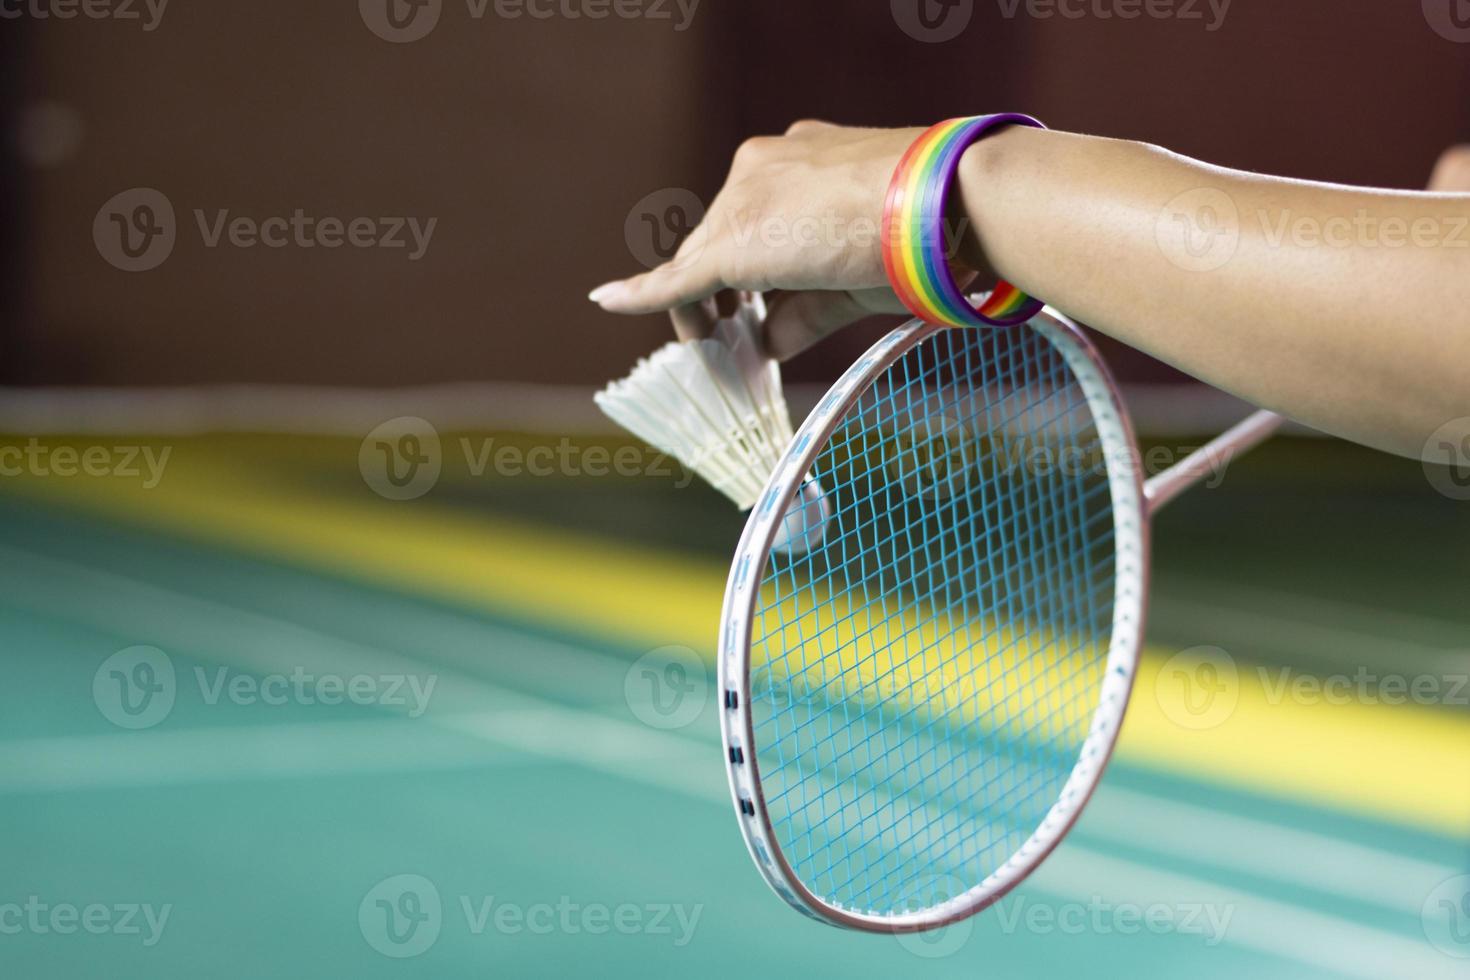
[950, 630]
[904, 666]
[911, 710]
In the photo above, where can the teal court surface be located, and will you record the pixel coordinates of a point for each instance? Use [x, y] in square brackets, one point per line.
[258, 721]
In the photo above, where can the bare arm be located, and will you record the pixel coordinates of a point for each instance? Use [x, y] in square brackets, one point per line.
[1346, 308]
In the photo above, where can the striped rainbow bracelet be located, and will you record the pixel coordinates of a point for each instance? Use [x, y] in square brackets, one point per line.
[913, 230]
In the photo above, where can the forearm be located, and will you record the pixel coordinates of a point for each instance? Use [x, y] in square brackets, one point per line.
[1345, 308]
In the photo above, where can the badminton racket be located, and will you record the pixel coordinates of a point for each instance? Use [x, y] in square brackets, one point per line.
[917, 708]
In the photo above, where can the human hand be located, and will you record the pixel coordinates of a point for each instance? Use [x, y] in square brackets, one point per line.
[800, 218]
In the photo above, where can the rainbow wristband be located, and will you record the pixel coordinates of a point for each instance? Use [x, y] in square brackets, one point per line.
[913, 230]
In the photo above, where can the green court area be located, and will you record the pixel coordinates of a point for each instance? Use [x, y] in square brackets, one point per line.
[260, 722]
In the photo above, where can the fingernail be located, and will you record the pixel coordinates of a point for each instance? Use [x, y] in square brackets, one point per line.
[605, 292]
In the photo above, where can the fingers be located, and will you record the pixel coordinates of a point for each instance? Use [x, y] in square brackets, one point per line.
[798, 320]
[689, 277]
[665, 288]
[695, 321]
[1452, 175]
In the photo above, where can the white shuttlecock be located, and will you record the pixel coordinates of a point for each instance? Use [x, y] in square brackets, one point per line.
[717, 406]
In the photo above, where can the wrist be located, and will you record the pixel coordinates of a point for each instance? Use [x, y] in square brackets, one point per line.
[986, 171]
[920, 235]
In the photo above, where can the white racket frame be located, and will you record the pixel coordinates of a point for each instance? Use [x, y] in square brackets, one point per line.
[1134, 501]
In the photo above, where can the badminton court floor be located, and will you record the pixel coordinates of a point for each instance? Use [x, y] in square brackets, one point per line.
[551, 823]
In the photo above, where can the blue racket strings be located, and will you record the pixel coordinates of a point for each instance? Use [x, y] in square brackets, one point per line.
[923, 679]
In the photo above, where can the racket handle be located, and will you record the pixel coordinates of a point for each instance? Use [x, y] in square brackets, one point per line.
[1211, 458]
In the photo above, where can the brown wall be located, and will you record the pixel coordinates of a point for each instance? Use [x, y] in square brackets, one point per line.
[530, 141]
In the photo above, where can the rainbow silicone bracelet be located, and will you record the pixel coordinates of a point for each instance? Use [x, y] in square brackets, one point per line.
[913, 230]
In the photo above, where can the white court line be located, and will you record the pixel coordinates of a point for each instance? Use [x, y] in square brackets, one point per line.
[190, 756]
[1211, 624]
[1236, 843]
[679, 764]
[1245, 598]
[1261, 924]
[465, 641]
[1332, 616]
[1157, 409]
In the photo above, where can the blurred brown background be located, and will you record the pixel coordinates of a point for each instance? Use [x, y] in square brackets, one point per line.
[532, 141]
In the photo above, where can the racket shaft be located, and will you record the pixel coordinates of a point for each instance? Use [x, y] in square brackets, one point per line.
[1218, 453]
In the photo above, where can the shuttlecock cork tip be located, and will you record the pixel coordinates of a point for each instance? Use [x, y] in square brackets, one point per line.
[805, 522]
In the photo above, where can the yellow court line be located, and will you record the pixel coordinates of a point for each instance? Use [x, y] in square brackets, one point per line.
[1394, 763]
